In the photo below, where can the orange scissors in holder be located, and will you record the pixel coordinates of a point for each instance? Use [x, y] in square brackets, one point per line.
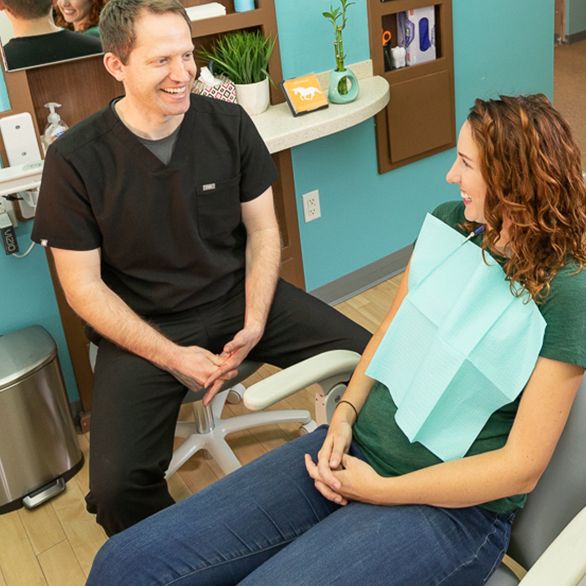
[388, 58]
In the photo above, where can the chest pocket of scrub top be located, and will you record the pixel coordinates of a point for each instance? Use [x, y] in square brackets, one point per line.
[218, 209]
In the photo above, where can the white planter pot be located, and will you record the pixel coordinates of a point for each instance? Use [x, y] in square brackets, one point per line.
[253, 97]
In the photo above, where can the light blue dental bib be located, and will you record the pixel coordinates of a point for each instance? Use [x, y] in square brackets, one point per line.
[461, 345]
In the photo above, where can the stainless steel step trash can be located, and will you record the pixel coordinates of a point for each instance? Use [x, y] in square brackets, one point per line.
[38, 444]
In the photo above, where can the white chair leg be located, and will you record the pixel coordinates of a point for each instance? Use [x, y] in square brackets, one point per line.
[264, 418]
[185, 451]
[222, 453]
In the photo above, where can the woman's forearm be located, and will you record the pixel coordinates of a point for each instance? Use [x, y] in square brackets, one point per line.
[513, 469]
[360, 384]
[459, 483]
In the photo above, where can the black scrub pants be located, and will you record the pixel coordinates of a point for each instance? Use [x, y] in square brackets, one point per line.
[135, 404]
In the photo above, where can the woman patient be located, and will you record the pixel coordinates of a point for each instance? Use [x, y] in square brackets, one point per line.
[361, 501]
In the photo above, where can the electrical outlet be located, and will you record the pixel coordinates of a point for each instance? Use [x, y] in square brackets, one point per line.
[311, 207]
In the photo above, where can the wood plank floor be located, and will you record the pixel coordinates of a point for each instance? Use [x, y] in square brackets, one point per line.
[569, 89]
[55, 544]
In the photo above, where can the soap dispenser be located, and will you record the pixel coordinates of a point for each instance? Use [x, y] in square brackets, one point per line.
[55, 126]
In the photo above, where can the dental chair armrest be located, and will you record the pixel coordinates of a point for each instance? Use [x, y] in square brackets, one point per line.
[328, 367]
[564, 561]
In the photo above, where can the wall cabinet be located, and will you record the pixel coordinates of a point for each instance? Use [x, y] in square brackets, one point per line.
[419, 120]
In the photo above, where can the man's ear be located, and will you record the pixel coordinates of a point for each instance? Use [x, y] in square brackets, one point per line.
[113, 65]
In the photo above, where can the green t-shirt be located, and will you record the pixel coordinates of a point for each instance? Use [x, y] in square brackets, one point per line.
[93, 31]
[386, 447]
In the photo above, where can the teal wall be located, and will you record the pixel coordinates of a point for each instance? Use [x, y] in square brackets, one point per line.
[575, 16]
[27, 298]
[4, 101]
[26, 291]
[366, 216]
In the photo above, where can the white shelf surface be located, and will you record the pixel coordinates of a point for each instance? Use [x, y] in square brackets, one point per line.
[281, 130]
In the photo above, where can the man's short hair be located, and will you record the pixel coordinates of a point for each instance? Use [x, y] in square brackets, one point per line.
[118, 18]
[28, 9]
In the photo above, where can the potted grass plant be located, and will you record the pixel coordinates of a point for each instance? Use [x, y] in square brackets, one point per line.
[243, 56]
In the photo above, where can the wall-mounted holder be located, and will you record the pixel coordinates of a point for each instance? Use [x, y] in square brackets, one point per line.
[22, 181]
[20, 139]
[420, 118]
[27, 202]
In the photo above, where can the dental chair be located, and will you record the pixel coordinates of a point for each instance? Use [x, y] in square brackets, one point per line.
[548, 536]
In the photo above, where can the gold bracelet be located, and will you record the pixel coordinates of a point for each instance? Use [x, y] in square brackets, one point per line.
[348, 403]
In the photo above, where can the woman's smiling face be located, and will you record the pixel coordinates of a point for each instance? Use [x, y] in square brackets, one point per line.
[75, 11]
[465, 172]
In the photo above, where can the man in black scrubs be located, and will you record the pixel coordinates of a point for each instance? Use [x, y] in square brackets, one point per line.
[159, 213]
[37, 40]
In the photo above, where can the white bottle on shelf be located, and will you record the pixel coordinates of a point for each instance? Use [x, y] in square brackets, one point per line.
[55, 126]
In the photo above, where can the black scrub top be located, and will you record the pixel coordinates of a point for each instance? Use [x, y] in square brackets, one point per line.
[171, 236]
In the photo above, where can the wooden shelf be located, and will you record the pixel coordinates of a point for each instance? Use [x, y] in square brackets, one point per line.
[415, 71]
[262, 18]
[227, 23]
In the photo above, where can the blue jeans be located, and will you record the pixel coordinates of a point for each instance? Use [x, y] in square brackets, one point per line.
[266, 524]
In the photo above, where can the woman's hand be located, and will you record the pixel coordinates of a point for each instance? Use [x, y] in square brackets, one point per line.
[354, 480]
[358, 481]
[336, 475]
[336, 444]
[329, 458]
[322, 485]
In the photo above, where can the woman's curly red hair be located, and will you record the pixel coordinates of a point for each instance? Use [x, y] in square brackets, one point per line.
[531, 166]
[92, 20]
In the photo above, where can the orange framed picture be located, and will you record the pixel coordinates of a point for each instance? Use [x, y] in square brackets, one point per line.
[304, 94]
